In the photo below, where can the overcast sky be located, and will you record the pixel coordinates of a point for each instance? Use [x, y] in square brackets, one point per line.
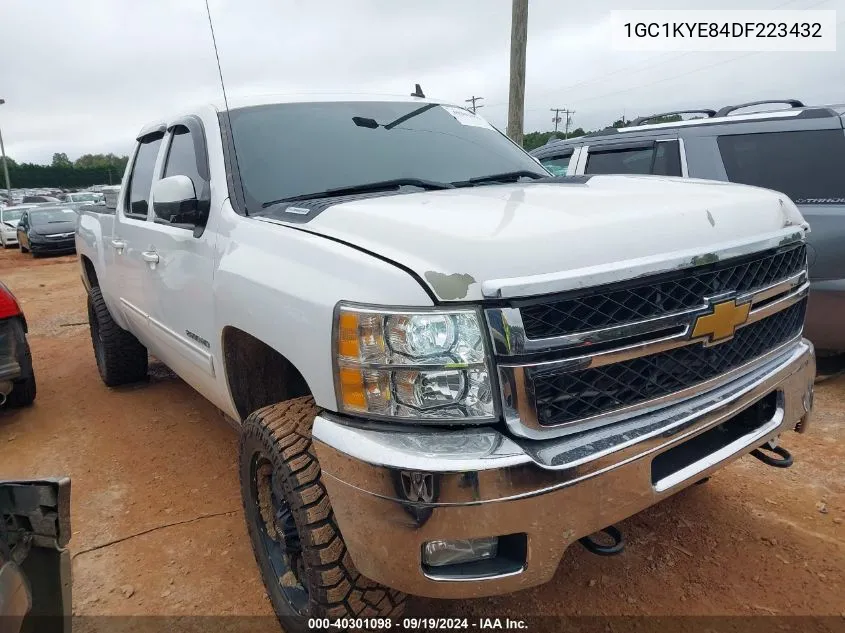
[83, 76]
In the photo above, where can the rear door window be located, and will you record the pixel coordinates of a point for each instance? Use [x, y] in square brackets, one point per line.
[805, 165]
[557, 164]
[141, 178]
[661, 158]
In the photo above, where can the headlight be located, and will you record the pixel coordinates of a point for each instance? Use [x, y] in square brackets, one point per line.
[425, 365]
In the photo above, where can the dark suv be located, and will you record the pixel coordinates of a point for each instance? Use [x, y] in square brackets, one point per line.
[799, 150]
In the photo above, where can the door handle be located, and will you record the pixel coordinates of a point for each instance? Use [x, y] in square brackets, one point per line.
[151, 257]
[118, 245]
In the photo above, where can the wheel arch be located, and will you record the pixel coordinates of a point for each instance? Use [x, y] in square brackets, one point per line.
[89, 273]
[257, 374]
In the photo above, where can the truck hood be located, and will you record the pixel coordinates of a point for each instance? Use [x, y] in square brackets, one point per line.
[523, 239]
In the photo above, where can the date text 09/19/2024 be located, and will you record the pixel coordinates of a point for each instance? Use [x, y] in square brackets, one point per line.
[410, 624]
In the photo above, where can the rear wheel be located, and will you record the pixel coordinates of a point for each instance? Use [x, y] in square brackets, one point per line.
[121, 359]
[299, 549]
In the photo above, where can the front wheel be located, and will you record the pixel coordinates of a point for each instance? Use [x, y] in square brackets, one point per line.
[299, 549]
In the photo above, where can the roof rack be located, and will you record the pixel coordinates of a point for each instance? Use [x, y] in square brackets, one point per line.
[643, 119]
[793, 103]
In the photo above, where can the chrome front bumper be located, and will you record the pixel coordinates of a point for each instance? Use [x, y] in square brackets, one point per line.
[392, 491]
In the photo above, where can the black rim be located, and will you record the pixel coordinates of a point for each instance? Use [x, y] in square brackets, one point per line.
[280, 543]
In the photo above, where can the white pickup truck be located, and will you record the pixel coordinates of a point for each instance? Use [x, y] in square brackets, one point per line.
[447, 365]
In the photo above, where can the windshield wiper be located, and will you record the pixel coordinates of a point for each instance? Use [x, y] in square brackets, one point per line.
[370, 186]
[503, 177]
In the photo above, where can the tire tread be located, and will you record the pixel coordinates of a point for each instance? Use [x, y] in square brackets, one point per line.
[125, 359]
[336, 587]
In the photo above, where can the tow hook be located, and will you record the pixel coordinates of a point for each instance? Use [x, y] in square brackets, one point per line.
[783, 459]
[600, 549]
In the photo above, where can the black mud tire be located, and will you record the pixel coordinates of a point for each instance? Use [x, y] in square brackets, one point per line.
[22, 248]
[23, 389]
[121, 358]
[281, 435]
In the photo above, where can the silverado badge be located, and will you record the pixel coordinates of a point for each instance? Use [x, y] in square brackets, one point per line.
[720, 324]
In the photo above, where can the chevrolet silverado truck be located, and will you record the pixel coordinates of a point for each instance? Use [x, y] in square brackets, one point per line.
[446, 365]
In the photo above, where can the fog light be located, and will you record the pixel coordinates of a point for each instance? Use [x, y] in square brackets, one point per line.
[439, 553]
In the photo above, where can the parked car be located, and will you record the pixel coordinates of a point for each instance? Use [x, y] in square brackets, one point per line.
[9, 218]
[43, 230]
[799, 151]
[35, 565]
[448, 366]
[28, 199]
[17, 378]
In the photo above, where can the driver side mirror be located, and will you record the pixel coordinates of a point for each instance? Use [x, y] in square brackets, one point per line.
[175, 201]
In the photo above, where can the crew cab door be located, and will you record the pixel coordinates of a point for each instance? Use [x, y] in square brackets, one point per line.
[130, 243]
[181, 263]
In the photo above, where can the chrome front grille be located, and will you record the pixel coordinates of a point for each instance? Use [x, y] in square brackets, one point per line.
[566, 396]
[654, 297]
[588, 358]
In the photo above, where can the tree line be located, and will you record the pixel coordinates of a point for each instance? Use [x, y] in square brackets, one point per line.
[63, 173]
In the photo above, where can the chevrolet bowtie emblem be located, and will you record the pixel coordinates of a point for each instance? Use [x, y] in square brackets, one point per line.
[721, 324]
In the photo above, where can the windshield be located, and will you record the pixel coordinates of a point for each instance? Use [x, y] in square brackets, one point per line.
[82, 197]
[41, 217]
[287, 150]
[11, 215]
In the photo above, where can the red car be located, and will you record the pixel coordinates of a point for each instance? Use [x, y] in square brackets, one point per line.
[17, 380]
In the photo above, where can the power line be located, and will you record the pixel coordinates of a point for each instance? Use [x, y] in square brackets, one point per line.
[473, 99]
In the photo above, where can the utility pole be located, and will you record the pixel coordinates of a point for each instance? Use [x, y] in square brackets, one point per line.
[568, 114]
[516, 97]
[5, 165]
[556, 118]
[473, 99]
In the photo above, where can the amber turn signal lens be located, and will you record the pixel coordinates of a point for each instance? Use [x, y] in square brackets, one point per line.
[352, 389]
[348, 345]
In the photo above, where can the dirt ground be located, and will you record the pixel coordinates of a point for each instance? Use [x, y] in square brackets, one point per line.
[158, 528]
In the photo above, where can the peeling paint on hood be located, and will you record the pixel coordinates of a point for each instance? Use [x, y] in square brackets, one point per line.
[449, 287]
